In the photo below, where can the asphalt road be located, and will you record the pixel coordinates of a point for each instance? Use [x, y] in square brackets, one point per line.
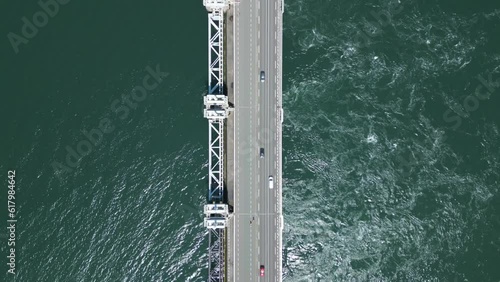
[257, 211]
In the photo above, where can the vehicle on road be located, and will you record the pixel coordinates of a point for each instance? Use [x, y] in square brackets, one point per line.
[270, 182]
[261, 153]
[262, 76]
[261, 270]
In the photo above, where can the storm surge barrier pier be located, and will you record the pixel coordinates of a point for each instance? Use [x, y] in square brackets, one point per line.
[216, 111]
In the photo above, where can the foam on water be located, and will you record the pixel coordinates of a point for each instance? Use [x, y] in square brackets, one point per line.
[354, 209]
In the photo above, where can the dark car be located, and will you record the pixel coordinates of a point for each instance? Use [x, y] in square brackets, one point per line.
[261, 153]
[262, 76]
[261, 270]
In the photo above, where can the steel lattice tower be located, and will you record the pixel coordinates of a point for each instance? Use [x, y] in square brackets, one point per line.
[216, 110]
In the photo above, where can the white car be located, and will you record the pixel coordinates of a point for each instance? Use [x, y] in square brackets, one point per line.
[270, 182]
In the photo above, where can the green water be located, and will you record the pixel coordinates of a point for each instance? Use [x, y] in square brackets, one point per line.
[382, 183]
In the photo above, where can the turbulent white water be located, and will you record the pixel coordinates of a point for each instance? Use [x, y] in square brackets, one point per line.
[377, 186]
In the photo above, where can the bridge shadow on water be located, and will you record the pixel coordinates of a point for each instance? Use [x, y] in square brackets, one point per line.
[216, 90]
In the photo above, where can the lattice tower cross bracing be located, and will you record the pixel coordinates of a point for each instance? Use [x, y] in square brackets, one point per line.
[216, 110]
